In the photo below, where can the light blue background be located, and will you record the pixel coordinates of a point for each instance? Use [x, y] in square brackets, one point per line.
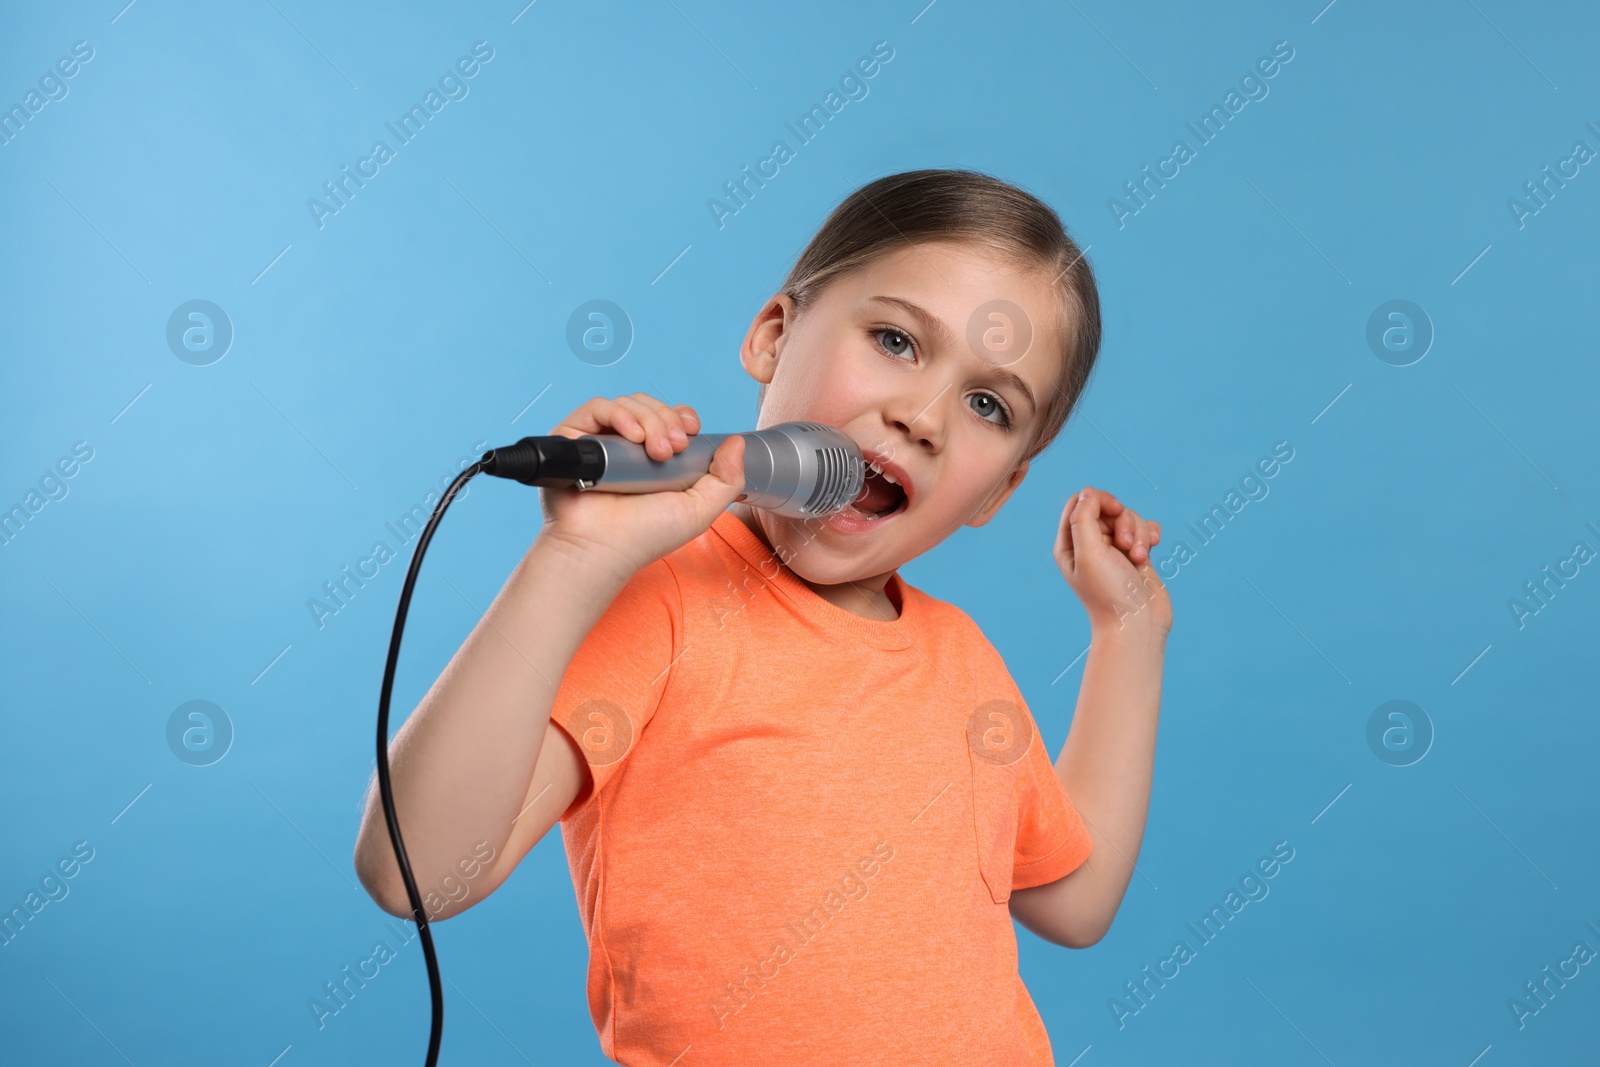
[422, 318]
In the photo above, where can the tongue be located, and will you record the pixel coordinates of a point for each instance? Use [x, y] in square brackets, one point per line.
[878, 496]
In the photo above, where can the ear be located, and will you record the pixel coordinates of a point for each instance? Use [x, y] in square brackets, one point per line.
[765, 339]
[1001, 495]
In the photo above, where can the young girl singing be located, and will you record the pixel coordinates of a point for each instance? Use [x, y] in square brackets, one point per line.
[802, 800]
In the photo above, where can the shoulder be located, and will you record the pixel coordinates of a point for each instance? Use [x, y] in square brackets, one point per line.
[703, 560]
[955, 627]
[709, 556]
[703, 580]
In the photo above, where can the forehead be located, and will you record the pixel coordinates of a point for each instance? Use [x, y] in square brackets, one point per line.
[960, 284]
[953, 269]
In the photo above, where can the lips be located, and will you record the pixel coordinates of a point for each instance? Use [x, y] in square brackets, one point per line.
[885, 490]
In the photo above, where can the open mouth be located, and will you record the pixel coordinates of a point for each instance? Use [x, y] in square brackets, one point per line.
[880, 497]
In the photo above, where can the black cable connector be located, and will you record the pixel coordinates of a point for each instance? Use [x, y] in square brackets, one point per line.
[547, 461]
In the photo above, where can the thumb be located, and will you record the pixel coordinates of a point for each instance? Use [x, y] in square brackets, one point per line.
[1086, 523]
[724, 482]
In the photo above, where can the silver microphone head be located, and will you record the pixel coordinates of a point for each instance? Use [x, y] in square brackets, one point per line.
[802, 469]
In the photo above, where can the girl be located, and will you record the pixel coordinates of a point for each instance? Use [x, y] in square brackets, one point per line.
[802, 801]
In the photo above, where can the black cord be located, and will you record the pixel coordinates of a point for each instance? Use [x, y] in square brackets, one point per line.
[385, 789]
[542, 461]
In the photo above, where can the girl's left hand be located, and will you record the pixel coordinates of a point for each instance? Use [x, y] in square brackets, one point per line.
[1103, 550]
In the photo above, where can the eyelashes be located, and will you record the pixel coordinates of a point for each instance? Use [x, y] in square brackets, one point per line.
[877, 333]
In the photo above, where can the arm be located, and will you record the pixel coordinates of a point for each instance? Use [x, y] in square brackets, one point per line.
[1109, 755]
[462, 762]
[1106, 766]
[479, 772]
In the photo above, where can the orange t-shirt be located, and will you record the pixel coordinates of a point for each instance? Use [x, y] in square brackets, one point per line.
[805, 824]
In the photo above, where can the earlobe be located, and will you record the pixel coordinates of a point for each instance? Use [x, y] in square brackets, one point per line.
[764, 340]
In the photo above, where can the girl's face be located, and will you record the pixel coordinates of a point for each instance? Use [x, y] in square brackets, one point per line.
[937, 360]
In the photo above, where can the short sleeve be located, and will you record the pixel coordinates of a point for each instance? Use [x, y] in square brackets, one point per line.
[1052, 840]
[616, 679]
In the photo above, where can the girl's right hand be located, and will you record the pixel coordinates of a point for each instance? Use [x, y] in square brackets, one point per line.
[629, 531]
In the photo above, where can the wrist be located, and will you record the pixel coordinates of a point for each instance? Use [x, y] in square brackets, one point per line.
[596, 566]
[1131, 632]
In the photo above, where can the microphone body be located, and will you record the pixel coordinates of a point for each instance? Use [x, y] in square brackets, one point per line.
[799, 469]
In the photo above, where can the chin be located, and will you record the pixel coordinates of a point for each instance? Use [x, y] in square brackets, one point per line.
[821, 567]
[828, 575]
[795, 548]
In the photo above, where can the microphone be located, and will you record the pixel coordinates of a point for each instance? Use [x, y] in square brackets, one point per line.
[799, 469]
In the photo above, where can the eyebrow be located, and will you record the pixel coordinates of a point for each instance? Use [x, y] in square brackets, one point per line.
[941, 335]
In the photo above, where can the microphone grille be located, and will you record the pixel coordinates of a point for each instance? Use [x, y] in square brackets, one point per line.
[835, 486]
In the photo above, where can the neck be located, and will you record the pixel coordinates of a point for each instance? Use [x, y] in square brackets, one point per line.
[867, 597]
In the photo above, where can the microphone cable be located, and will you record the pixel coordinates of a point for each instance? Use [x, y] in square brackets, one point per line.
[541, 461]
[386, 789]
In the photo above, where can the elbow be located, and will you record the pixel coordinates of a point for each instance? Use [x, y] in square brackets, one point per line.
[1079, 940]
[390, 899]
[400, 909]
[389, 893]
[1083, 934]
[388, 890]
[1057, 913]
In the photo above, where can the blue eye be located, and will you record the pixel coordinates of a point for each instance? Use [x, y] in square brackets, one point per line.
[911, 345]
[996, 405]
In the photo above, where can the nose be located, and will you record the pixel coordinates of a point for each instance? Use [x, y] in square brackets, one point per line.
[919, 416]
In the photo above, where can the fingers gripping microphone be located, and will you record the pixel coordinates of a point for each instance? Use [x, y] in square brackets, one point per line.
[799, 469]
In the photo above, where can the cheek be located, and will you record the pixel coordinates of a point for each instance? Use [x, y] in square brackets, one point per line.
[804, 384]
[832, 387]
[971, 477]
